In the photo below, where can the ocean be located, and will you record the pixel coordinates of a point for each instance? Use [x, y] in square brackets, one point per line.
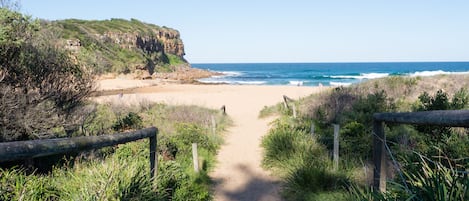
[326, 74]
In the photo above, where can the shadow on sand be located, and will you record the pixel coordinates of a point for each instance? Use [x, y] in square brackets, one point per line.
[256, 189]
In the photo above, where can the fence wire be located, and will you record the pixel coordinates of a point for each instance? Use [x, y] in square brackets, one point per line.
[397, 166]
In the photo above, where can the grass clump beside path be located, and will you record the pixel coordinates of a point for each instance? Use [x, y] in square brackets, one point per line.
[122, 172]
[427, 163]
[302, 162]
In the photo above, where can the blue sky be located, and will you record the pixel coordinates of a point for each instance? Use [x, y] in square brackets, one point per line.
[219, 31]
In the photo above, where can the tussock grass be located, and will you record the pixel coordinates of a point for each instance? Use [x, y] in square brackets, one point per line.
[123, 172]
[115, 177]
[304, 162]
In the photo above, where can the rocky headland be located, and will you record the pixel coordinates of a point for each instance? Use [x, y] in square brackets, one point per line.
[119, 48]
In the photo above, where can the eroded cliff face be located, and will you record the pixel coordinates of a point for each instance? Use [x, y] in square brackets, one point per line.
[164, 40]
[120, 46]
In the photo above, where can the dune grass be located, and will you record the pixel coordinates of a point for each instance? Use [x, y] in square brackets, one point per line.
[304, 161]
[122, 172]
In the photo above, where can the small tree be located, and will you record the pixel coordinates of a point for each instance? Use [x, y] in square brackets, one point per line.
[40, 86]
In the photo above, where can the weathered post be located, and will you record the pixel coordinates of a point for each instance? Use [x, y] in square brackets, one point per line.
[195, 157]
[285, 102]
[214, 125]
[223, 109]
[153, 158]
[294, 110]
[311, 131]
[336, 146]
[379, 156]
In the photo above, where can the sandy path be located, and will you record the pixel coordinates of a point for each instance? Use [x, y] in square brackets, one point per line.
[238, 174]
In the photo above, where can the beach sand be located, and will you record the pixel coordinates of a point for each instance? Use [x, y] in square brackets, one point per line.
[238, 174]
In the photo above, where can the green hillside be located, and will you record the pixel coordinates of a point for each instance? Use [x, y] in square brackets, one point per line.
[117, 45]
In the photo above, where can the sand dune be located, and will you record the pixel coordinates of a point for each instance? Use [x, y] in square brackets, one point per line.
[238, 174]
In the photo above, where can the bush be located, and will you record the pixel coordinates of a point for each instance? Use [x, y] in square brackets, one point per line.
[440, 101]
[130, 121]
[192, 133]
[363, 109]
[355, 141]
[40, 86]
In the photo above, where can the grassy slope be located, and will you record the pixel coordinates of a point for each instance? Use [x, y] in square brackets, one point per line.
[309, 174]
[122, 172]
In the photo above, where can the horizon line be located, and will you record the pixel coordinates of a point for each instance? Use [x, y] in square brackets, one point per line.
[322, 62]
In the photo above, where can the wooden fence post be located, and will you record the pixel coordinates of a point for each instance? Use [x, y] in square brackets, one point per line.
[379, 156]
[153, 159]
[285, 103]
[336, 146]
[214, 125]
[294, 110]
[311, 131]
[223, 109]
[195, 157]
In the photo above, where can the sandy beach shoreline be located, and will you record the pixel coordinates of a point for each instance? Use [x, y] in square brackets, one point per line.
[238, 174]
[212, 96]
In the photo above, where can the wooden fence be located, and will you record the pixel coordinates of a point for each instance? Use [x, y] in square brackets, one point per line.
[453, 118]
[286, 99]
[10, 151]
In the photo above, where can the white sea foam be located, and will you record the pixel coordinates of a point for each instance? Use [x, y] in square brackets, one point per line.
[296, 83]
[231, 73]
[436, 72]
[336, 84]
[249, 82]
[212, 81]
[215, 81]
[361, 76]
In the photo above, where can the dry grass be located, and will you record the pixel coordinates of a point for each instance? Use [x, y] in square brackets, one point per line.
[404, 90]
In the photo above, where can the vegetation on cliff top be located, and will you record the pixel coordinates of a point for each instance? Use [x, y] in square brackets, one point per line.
[117, 45]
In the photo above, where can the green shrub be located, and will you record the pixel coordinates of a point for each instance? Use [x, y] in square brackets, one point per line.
[460, 99]
[355, 141]
[100, 121]
[130, 121]
[440, 101]
[40, 84]
[363, 109]
[192, 133]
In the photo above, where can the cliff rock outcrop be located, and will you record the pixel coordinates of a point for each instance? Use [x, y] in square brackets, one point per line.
[164, 40]
[119, 46]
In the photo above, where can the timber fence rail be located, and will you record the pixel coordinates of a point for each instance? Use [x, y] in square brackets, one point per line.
[10, 151]
[452, 118]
